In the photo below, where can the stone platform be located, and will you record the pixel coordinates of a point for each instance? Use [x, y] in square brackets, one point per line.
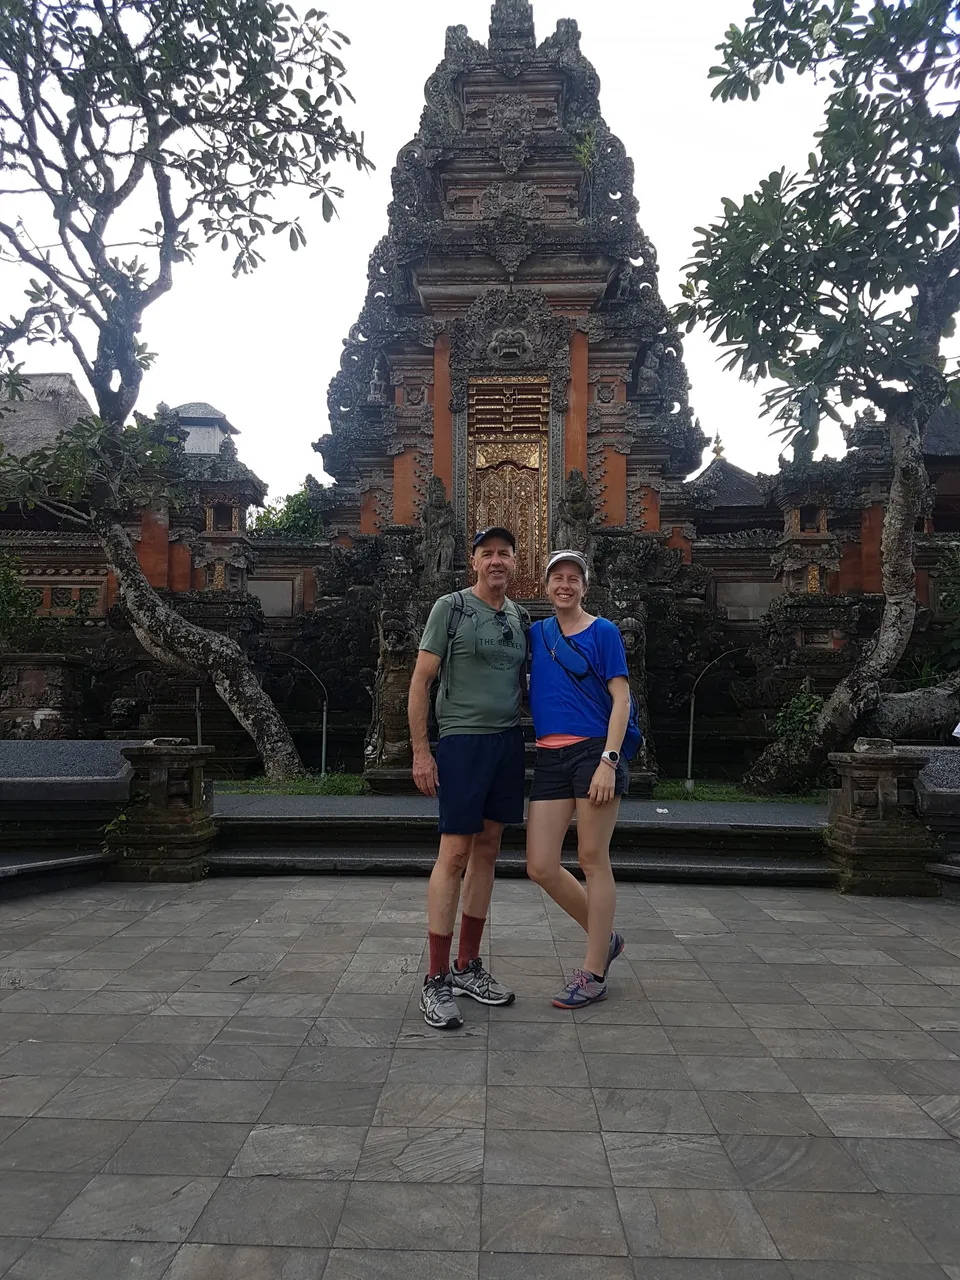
[231, 1079]
[752, 843]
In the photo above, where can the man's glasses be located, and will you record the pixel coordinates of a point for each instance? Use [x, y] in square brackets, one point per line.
[504, 622]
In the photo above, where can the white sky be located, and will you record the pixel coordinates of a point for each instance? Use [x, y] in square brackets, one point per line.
[263, 348]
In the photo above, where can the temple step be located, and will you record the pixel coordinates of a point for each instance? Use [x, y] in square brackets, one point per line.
[33, 871]
[398, 860]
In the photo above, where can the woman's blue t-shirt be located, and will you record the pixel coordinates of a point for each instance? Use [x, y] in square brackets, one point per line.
[561, 704]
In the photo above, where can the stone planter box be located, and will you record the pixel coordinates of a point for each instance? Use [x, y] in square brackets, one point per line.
[875, 837]
[41, 696]
[167, 829]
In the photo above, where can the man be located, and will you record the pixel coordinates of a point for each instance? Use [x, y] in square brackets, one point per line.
[476, 642]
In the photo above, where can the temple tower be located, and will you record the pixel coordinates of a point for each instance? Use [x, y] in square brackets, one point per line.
[513, 331]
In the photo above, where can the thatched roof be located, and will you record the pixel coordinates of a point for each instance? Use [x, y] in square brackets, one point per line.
[52, 403]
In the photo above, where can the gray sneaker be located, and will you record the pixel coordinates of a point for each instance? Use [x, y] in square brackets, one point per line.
[474, 981]
[437, 1005]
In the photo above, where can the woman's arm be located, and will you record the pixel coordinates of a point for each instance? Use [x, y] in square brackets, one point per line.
[603, 783]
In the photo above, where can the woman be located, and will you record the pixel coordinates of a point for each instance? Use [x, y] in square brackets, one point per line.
[580, 701]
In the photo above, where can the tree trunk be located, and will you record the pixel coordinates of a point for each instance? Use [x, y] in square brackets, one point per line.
[790, 766]
[170, 638]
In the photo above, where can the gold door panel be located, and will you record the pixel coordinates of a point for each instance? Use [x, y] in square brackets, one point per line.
[507, 457]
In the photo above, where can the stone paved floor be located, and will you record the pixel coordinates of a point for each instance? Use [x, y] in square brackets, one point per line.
[230, 1081]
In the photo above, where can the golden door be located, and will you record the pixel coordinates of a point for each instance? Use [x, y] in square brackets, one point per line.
[507, 453]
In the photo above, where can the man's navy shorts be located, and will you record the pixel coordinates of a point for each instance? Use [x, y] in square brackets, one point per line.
[481, 776]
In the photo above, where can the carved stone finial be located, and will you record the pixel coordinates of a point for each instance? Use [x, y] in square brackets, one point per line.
[511, 27]
[717, 446]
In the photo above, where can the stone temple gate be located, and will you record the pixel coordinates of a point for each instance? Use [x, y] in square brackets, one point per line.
[512, 331]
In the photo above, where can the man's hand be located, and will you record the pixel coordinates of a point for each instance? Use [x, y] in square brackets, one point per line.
[602, 785]
[425, 772]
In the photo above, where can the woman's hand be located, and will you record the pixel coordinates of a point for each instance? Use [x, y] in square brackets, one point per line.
[602, 785]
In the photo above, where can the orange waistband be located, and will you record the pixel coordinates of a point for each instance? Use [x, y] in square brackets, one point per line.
[554, 740]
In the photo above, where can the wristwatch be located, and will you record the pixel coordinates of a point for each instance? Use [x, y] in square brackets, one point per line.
[611, 757]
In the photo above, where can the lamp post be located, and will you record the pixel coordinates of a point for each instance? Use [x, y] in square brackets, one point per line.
[326, 700]
[688, 783]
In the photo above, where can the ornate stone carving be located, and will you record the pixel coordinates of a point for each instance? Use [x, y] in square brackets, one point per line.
[509, 331]
[576, 517]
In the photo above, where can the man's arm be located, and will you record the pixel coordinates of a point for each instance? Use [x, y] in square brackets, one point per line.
[418, 710]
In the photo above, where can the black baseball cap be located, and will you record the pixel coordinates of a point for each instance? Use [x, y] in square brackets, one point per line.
[495, 531]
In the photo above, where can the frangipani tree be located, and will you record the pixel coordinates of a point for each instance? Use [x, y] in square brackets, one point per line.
[131, 130]
[842, 282]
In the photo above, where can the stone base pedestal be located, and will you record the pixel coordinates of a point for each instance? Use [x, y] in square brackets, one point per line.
[875, 838]
[167, 830]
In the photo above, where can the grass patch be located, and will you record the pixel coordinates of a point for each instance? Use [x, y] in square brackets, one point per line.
[312, 784]
[707, 789]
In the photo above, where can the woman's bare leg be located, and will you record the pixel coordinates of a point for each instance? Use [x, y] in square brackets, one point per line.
[594, 831]
[547, 822]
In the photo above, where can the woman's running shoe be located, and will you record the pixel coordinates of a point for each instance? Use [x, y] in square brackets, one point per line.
[582, 989]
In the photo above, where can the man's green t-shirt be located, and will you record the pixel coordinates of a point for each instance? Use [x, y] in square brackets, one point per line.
[480, 681]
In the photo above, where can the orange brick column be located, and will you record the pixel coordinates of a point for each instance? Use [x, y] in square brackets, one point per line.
[575, 426]
[153, 549]
[871, 560]
[442, 417]
[404, 492]
[614, 505]
[680, 540]
[181, 567]
[368, 512]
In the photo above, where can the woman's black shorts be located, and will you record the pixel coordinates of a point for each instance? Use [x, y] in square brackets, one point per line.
[565, 773]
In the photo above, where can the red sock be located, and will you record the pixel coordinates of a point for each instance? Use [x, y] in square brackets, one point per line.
[471, 931]
[440, 944]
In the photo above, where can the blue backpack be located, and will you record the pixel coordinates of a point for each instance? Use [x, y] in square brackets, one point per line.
[582, 671]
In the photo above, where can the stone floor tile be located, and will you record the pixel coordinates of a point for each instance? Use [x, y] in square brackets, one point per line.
[562, 1068]
[31, 1201]
[866, 1271]
[783, 1016]
[766, 991]
[195, 1032]
[910, 1045]
[837, 1075]
[651, 1111]
[789, 1043]
[422, 1155]
[412, 1066]
[673, 990]
[107, 1098]
[908, 1166]
[849, 1228]
[405, 1215]
[328, 1152]
[693, 1224]
[46, 1058]
[242, 1062]
[729, 1042]
[713, 1269]
[693, 1014]
[24, 1095]
[552, 1220]
[422, 1106]
[114, 1207]
[245, 1262]
[917, 1078]
[215, 1101]
[11, 1248]
[291, 1212]
[91, 1260]
[529, 1266]
[541, 1107]
[755, 1075]
[304, 1102]
[861, 1116]
[636, 1071]
[612, 1039]
[166, 1061]
[352, 1033]
[536, 1037]
[785, 1114]
[691, 1162]
[179, 1148]
[279, 1006]
[391, 1264]
[863, 1017]
[536, 1157]
[794, 1164]
[63, 1146]
[323, 1063]
[945, 1109]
